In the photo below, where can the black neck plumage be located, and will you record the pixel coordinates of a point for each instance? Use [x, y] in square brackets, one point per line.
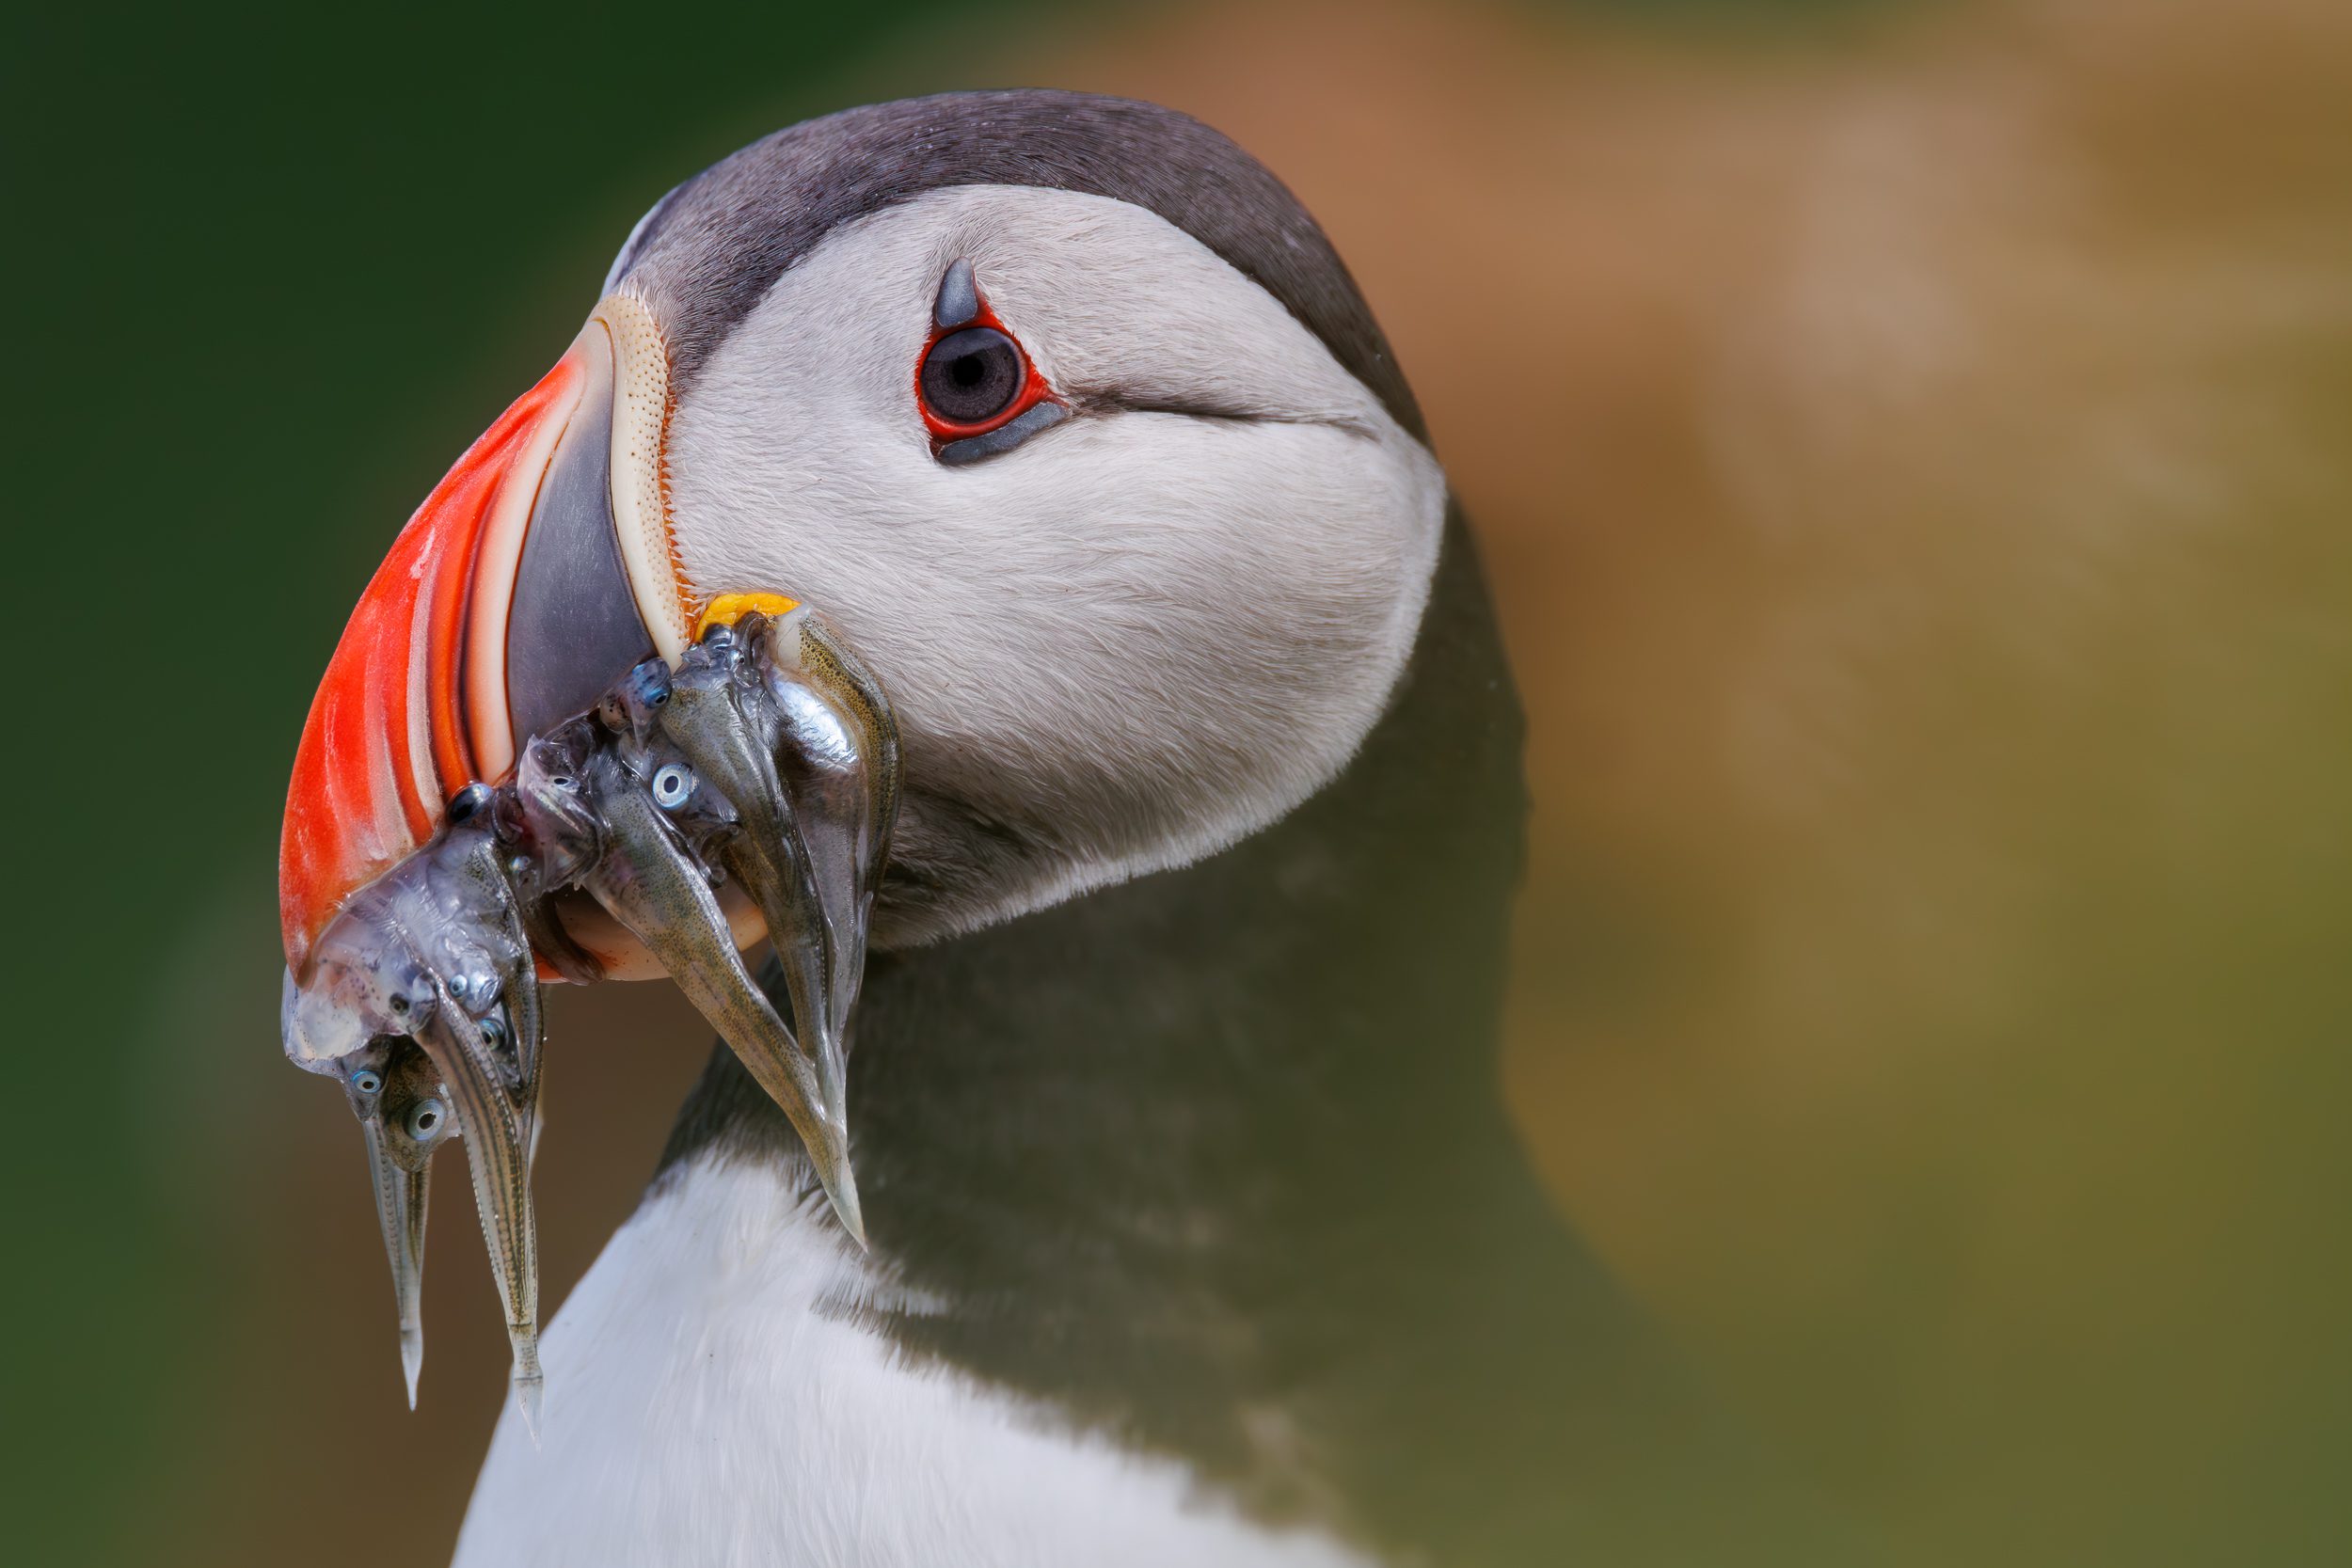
[1216, 1161]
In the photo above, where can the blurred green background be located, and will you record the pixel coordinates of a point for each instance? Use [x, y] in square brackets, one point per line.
[1913, 448]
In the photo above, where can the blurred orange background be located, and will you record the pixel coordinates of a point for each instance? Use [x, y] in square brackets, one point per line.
[1911, 448]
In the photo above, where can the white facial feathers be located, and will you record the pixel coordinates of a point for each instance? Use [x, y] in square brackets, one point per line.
[1138, 636]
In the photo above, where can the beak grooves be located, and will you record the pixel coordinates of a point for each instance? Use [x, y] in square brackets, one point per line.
[385, 744]
[419, 698]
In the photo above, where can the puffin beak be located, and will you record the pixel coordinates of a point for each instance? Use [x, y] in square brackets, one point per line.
[517, 593]
[494, 788]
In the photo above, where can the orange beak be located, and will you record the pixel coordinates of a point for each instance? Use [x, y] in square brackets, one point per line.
[537, 573]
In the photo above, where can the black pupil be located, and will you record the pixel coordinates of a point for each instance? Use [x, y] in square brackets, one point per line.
[972, 375]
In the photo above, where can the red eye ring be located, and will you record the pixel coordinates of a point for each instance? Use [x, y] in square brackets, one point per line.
[1034, 389]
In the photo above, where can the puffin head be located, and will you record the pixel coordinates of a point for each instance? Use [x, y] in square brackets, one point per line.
[947, 508]
[1062, 411]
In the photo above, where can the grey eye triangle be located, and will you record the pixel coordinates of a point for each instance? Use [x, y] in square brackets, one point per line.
[959, 296]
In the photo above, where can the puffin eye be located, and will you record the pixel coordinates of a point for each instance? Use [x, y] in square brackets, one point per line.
[671, 786]
[978, 392]
[971, 377]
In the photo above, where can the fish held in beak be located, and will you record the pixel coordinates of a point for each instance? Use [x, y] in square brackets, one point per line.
[415, 1121]
[423, 997]
[840, 743]
[671, 832]
[404, 1114]
[497, 1154]
[767, 756]
[775, 716]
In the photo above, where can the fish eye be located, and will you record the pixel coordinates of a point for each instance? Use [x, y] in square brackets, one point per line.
[494, 1029]
[469, 802]
[366, 1082]
[649, 683]
[424, 1118]
[671, 786]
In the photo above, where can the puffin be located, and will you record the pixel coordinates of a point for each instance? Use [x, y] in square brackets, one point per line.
[1155, 1008]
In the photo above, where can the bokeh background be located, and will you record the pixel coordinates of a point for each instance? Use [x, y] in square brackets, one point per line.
[1913, 446]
